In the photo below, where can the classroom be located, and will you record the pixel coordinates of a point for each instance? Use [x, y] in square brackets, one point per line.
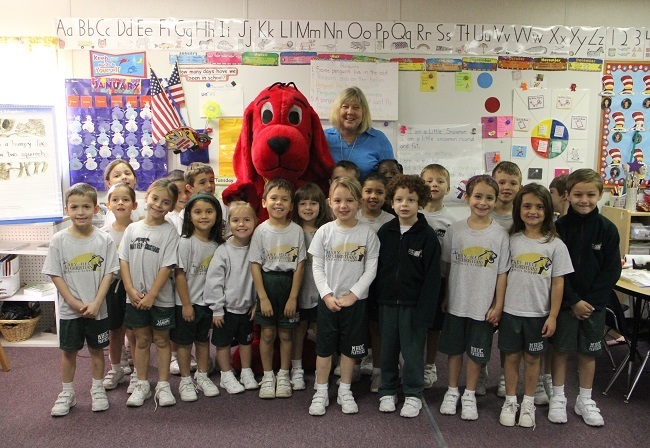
[554, 86]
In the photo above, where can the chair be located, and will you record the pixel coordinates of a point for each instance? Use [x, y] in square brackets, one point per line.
[4, 362]
[615, 320]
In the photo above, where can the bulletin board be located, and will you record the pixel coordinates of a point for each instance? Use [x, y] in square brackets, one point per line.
[30, 185]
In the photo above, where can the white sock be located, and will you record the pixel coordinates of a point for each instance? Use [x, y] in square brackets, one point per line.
[296, 363]
[144, 383]
[247, 371]
[68, 387]
[227, 373]
[585, 394]
[200, 374]
[322, 386]
[511, 398]
[548, 377]
[453, 390]
[174, 355]
[529, 400]
[558, 391]
[116, 367]
[285, 372]
[343, 386]
[469, 393]
[376, 371]
[268, 373]
[163, 384]
[97, 384]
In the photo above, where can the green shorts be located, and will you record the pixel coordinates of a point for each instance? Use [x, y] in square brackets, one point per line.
[186, 333]
[116, 305]
[309, 314]
[73, 333]
[158, 318]
[345, 331]
[238, 327]
[582, 336]
[278, 287]
[464, 335]
[518, 334]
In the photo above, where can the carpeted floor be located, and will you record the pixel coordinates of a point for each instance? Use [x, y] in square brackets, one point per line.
[28, 391]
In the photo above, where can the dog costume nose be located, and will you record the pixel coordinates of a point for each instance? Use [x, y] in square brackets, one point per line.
[278, 145]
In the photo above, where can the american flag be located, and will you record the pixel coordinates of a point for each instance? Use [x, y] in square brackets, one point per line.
[176, 88]
[165, 117]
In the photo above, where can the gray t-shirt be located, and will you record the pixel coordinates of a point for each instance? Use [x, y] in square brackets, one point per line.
[82, 263]
[533, 263]
[117, 238]
[347, 257]
[148, 249]
[194, 257]
[477, 257]
[504, 221]
[229, 284]
[375, 223]
[278, 249]
[440, 222]
[308, 297]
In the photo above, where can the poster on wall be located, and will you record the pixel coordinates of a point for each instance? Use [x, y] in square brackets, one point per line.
[30, 185]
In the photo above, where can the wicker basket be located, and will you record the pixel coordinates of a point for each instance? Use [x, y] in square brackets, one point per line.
[18, 330]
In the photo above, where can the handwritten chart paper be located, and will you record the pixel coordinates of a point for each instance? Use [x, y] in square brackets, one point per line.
[29, 182]
[457, 147]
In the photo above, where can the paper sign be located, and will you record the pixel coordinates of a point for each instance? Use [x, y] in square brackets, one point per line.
[564, 102]
[428, 82]
[561, 171]
[519, 151]
[489, 127]
[534, 173]
[463, 82]
[504, 127]
[492, 159]
[522, 124]
[556, 146]
[559, 131]
[542, 146]
[579, 122]
[536, 102]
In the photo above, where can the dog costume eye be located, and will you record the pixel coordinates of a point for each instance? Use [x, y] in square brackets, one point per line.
[295, 115]
[267, 113]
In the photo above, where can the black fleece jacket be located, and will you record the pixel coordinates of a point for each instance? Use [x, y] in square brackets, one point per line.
[409, 268]
[593, 242]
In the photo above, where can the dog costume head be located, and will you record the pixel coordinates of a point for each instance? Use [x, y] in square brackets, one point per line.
[281, 138]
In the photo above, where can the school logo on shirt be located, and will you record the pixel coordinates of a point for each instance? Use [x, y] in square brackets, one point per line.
[440, 233]
[84, 263]
[143, 243]
[346, 252]
[532, 263]
[201, 268]
[474, 256]
[282, 254]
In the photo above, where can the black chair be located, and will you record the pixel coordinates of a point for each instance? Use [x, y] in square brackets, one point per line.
[615, 320]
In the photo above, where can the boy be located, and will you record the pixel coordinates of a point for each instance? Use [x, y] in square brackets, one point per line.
[277, 255]
[439, 218]
[345, 168]
[559, 195]
[407, 287]
[81, 261]
[592, 241]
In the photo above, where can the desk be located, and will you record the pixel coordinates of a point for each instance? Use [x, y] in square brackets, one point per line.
[639, 294]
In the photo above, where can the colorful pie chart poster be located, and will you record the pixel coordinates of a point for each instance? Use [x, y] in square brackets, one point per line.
[549, 138]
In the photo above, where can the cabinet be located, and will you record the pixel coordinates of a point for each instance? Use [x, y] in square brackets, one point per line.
[32, 257]
[622, 219]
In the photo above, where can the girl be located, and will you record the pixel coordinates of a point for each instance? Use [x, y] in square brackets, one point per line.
[388, 168]
[477, 250]
[344, 260]
[120, 172]
[373, 198]
[202, 234]
[147, 257]
[311, 215]
[174, 217]
[230, 294]
[538, 260]
[121, 202]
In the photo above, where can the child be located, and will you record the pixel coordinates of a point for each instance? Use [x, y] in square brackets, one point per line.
[174, 217]
[311, 215]
[559, 196]
[120, 172]
[538, 260]
[230, 294]
[593, 242]
[477, 249]
[202, 234]
[345, 256]
[407, 286]
[147, 257]
[277, 258]
[345, 168]
[388, 168]
[81, 261]
[121, 202]
[373, 200]
[439, 218]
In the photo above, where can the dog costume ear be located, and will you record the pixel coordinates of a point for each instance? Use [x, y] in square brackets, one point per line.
[320, 158]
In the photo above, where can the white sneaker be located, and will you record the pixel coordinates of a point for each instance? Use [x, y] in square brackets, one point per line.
[247, 378]
[126, 362]
[548, 386]
[126, 367]
[508, 413]
[173, 366]
[430, 375]
[346, 400]
[468, 408]
[267, 386]
[98, 399]
[557, 409]
[449, 403]
[140, 394]
[187, 389]
[164, 395]
[366, 365]
[411, 408]
[298, 378]
[230, 383]
[589, 412]
[501, 387]
[283, 385]
[113, 378]
[127, 353]
[541, 397]
[375, 382]
[319, 403]
[193, 364]
[205, 385]
[132, 383]
[481, 385]
[337, 370]
[63, 403]
[527, 415]
[387, 403]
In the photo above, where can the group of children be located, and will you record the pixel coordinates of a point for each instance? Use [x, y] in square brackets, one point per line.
[380, 266]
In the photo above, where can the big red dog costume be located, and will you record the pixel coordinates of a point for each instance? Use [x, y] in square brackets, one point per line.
[281, 138]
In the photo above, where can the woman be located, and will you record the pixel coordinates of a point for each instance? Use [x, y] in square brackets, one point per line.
[352, 137]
